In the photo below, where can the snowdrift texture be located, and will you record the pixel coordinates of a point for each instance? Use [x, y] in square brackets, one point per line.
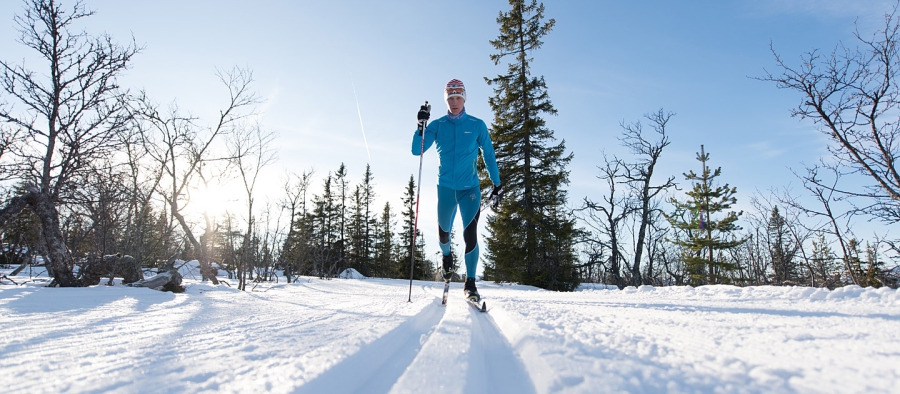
[345, 336]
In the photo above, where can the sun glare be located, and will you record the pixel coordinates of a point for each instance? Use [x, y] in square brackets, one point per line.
[212, 200]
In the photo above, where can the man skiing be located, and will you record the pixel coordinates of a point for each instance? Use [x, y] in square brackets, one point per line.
[458, 137]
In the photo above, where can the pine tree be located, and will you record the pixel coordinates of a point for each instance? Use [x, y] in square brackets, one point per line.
[326, 230]
[341, 197]
[781, 248]
[531, 234]
[385, 243]
[367, 199]
[874, 273]
[707, 237]
[868, 270]
[825, 263]
[355, 252]
[361, 225]
[852, 263]
[421, 267]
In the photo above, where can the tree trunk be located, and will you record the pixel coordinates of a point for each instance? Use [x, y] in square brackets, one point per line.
[21, 267]
[60, 259]
[169, 280]
[59, 263]
[206, 270]
[111, 266]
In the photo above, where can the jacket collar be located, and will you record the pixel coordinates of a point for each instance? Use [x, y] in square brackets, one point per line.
[455, 118]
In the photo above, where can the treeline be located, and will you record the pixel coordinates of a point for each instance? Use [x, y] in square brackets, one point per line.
[312, 230]
[341, 228]
[638, 234]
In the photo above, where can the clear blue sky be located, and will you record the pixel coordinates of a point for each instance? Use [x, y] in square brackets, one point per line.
[605, 62]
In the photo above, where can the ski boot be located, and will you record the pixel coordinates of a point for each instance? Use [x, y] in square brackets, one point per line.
[448, 268]
[471, 291]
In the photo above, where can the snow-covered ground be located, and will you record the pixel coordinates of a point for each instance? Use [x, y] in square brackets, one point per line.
[361, 335]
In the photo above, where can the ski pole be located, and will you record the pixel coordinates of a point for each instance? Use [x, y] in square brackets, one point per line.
[412, 248]
[485, 205]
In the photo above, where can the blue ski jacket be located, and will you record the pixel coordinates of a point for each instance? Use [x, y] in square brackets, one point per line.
[457, 142]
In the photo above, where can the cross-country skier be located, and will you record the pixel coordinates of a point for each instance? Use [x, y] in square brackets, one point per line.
[458, 137]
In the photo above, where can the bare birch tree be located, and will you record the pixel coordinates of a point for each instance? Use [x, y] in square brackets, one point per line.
[852, 96]
[640, 178]
[69, 116]
[250, 149]
[607, 218]
[184, 151]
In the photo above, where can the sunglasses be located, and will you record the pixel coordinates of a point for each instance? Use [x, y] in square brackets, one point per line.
[456, 90]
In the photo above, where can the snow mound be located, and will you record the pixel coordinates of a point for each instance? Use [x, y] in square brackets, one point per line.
[351, 273]
[191, 269]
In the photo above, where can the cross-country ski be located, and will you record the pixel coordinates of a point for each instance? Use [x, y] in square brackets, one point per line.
[446, 293]
[480, 306]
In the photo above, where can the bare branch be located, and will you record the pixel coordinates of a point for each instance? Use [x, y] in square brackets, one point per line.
[853, 96]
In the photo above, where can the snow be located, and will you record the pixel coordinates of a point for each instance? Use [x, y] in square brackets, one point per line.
[351, 273]
[349, 335]
[189, 269]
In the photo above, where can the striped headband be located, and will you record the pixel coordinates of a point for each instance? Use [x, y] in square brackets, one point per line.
[454, 88]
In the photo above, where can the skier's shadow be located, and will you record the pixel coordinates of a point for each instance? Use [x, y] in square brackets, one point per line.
[377, 366]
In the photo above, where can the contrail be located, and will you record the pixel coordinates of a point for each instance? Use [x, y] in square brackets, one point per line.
[363, 128]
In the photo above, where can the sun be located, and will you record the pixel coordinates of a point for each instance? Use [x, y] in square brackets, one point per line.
[212, 200]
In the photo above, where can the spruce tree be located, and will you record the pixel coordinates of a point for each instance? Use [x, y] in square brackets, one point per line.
[873, 276]
[299, 240]
[781, 248]
[531, 233]
[421, 267]
[824, 263]
[340, 206]
[355, 253]
[367, 189]
[385, 246]
[326, 230]
[706, 237]
[361, 229]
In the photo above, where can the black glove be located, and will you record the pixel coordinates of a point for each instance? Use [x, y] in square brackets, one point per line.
[496, 195]
[424, 114]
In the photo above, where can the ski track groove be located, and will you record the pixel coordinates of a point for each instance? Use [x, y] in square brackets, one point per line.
[465, 352]
[446, 349]
[375, 367]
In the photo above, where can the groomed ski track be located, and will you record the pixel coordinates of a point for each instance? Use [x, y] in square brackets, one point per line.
[442, 349]
[362, 336]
